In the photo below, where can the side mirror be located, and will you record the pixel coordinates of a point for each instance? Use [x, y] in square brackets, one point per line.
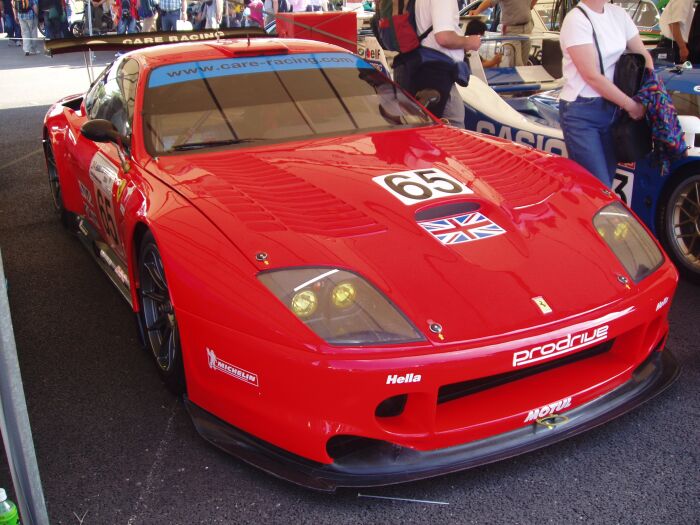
[100, 130]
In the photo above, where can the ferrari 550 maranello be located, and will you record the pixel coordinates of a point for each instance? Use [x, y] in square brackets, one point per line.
[347, 291]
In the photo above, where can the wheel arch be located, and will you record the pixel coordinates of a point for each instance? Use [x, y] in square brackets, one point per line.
[686, 170]
[138, 233]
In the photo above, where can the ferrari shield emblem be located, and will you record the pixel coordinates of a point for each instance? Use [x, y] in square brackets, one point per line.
[542, 305]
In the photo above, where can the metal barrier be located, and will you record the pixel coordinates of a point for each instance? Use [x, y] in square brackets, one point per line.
[14, 422]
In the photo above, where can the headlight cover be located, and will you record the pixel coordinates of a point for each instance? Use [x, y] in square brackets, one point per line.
[628, 240]
[340, 306]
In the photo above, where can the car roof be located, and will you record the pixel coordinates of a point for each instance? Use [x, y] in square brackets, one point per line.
[229, 48]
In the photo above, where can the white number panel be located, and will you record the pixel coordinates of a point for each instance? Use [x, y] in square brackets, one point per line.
[104, 176]
[412, 187]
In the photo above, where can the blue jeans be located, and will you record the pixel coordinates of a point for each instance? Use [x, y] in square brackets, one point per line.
[168, 20]
[11, 27]
[126, 26]
[587, 126]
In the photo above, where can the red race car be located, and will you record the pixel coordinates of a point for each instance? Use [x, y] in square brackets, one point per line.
[347, 291]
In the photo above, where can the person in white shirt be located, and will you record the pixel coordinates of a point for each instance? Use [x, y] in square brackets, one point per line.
[675, 23]
[589, 100]
[447, 38]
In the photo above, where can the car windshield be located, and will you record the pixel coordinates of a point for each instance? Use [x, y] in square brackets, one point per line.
[265, 99]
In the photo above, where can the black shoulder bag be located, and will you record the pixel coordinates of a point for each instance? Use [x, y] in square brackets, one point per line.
[631, 138]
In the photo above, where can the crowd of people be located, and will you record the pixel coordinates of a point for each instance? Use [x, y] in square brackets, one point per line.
[21, 18]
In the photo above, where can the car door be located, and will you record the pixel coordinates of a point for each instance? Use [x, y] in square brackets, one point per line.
[107, 175]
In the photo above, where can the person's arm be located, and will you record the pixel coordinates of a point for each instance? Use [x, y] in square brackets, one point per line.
[675, 28]
[451, 40]
[636, 45]
[275, 6]
[585, 58]
[482, 7]
[183, 10]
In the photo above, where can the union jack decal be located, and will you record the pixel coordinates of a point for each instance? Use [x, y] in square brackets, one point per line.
[462, 228]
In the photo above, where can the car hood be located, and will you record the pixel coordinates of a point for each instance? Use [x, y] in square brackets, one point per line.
[315, 203]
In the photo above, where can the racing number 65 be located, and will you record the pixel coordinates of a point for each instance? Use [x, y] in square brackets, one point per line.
[105, 208]
[421, 185]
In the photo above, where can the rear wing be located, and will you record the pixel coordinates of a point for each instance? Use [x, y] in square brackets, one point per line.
[138, 40]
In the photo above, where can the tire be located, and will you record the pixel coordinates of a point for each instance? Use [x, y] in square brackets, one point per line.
[679, 229]
[76, 29]
[157, 316]
[68, 219]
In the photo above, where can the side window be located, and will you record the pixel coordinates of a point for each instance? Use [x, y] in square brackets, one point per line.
[96, 89]
[113, 94]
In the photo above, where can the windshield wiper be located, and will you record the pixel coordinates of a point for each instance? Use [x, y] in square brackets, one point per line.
[210, 144]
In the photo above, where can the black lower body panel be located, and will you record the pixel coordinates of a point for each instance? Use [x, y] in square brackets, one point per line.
[384, 463]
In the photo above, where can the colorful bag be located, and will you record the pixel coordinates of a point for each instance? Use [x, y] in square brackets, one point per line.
[23, 6]
[394, 24]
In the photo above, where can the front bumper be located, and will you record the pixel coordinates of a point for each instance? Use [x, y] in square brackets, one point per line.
[384, 463]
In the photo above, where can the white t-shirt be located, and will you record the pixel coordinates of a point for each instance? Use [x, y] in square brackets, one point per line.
[613, 27]
[443, 15]
[677, 11]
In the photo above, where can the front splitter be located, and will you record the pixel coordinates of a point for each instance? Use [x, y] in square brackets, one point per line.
[386, 463]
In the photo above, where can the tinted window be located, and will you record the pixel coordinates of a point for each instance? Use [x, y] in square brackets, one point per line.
[270, 99]
[113, 94]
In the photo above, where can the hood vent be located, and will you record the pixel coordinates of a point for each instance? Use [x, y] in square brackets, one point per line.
[446, 210]
[268, 198]
[520, 179]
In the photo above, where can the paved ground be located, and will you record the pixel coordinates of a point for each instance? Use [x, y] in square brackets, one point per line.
[114, 447]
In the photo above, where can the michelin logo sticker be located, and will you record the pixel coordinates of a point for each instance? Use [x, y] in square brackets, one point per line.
[227, 368]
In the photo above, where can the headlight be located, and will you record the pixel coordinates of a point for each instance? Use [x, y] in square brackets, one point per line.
[630, 242]
[340, 307]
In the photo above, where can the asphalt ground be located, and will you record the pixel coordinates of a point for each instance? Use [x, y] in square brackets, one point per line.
[115, 447]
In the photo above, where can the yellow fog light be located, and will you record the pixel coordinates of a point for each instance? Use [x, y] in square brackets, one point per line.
[343, 295]
[304, 303]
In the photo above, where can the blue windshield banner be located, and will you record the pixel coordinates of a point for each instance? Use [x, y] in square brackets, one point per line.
[187, 71]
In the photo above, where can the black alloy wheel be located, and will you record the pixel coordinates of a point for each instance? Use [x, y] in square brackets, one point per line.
[680, 229]
[67, 218]
[157, 316]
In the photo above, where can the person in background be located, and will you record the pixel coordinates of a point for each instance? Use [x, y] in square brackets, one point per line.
[317, 5]
[99, 8]
[270, 9]
[254, 10]
[675, 23]
[53, 16]
[210, 14]
[297, 6]
[516, 19]
[170, 11]
[233, 13]
[26, 13]
[146, 10]
[14, 33]
[589, 100]
[447, 45]
[126, 16]
[477, 27]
